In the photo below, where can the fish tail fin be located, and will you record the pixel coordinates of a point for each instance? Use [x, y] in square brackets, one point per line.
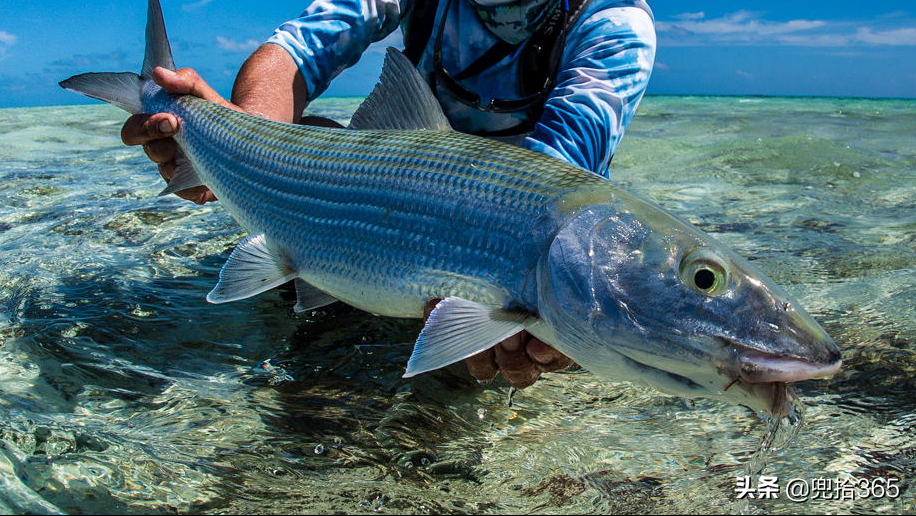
[125, 89]
[158, 50]
[120, 89]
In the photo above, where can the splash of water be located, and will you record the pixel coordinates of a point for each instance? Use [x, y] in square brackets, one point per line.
[779, 434]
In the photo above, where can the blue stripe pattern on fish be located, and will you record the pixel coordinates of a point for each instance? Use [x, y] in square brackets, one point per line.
[404, 214]
[398, 209]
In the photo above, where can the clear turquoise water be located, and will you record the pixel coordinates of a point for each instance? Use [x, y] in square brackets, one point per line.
[122, 390]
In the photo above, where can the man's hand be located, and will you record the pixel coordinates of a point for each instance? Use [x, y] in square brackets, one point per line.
[269, 86]
[155, 131]
[521, 358]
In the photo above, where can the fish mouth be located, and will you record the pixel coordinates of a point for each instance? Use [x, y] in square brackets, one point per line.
[765, 376]
[774, 396]
[747, 377]
[757, 367]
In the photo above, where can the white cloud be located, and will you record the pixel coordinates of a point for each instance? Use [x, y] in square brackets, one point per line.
[893, 37]
[7, 39]
[745, 75]
[739, 26]
[750, 28]
[195, 5]
[231, 45]
[895, 14]
[691, 16]
[815, 40]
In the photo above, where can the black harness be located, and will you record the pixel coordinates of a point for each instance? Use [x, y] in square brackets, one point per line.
[538, 62]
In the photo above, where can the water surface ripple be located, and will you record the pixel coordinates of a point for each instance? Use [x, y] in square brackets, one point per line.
[123, 391]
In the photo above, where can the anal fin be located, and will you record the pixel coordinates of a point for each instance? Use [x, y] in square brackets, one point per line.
[185, 176]
[252, 268]
[309, 297]
[457, 329]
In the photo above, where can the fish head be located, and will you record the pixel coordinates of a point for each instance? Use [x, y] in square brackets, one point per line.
[633, 293]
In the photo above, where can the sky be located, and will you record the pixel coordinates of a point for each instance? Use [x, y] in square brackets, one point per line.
[718, 47]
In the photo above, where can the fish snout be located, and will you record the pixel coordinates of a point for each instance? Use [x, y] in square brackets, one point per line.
[792, 348]
[765, 373]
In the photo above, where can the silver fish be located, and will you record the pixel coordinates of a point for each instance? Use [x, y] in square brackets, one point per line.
[399, 209]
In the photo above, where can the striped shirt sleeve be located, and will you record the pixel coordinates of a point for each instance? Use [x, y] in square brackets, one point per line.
[331, 35]
[603, 74]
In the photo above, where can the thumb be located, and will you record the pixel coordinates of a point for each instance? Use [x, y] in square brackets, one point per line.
[187, 81]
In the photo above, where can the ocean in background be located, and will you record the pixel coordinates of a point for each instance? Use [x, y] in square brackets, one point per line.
[123, 391]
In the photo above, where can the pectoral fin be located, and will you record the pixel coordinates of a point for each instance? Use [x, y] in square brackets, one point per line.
[252, 268]
[457, 329]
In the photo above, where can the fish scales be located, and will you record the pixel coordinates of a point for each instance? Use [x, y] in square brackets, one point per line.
[401, 209]
[379, 208]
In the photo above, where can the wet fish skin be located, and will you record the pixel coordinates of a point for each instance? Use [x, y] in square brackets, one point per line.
[406, 210]
[430, 213]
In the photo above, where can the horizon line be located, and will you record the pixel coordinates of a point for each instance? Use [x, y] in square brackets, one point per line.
[707, 95]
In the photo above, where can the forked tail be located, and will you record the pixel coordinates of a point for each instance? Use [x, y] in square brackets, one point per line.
[125, 89]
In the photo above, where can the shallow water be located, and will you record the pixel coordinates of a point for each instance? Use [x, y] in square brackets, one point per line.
[122, 390]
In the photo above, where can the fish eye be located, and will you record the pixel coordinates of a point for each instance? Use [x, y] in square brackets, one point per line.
[704, 279]
[702, 271]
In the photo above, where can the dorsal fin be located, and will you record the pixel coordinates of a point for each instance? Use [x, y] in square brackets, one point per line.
[158, 51]
[400, 100]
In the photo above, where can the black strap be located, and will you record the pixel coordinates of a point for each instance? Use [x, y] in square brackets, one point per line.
[495, 54]
[419, 28]
[540, 58]
[538, 62]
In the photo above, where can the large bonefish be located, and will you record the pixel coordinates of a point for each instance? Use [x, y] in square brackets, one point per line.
[400, 209]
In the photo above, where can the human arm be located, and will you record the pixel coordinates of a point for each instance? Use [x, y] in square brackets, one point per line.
[603, 74]
[329, 37]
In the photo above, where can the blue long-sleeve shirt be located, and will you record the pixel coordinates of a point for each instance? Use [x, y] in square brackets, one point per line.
[601, 78]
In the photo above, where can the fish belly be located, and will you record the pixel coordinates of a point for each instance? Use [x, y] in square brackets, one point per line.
[383, 220]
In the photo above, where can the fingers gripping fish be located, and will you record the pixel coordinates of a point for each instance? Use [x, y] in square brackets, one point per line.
[399, 209]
